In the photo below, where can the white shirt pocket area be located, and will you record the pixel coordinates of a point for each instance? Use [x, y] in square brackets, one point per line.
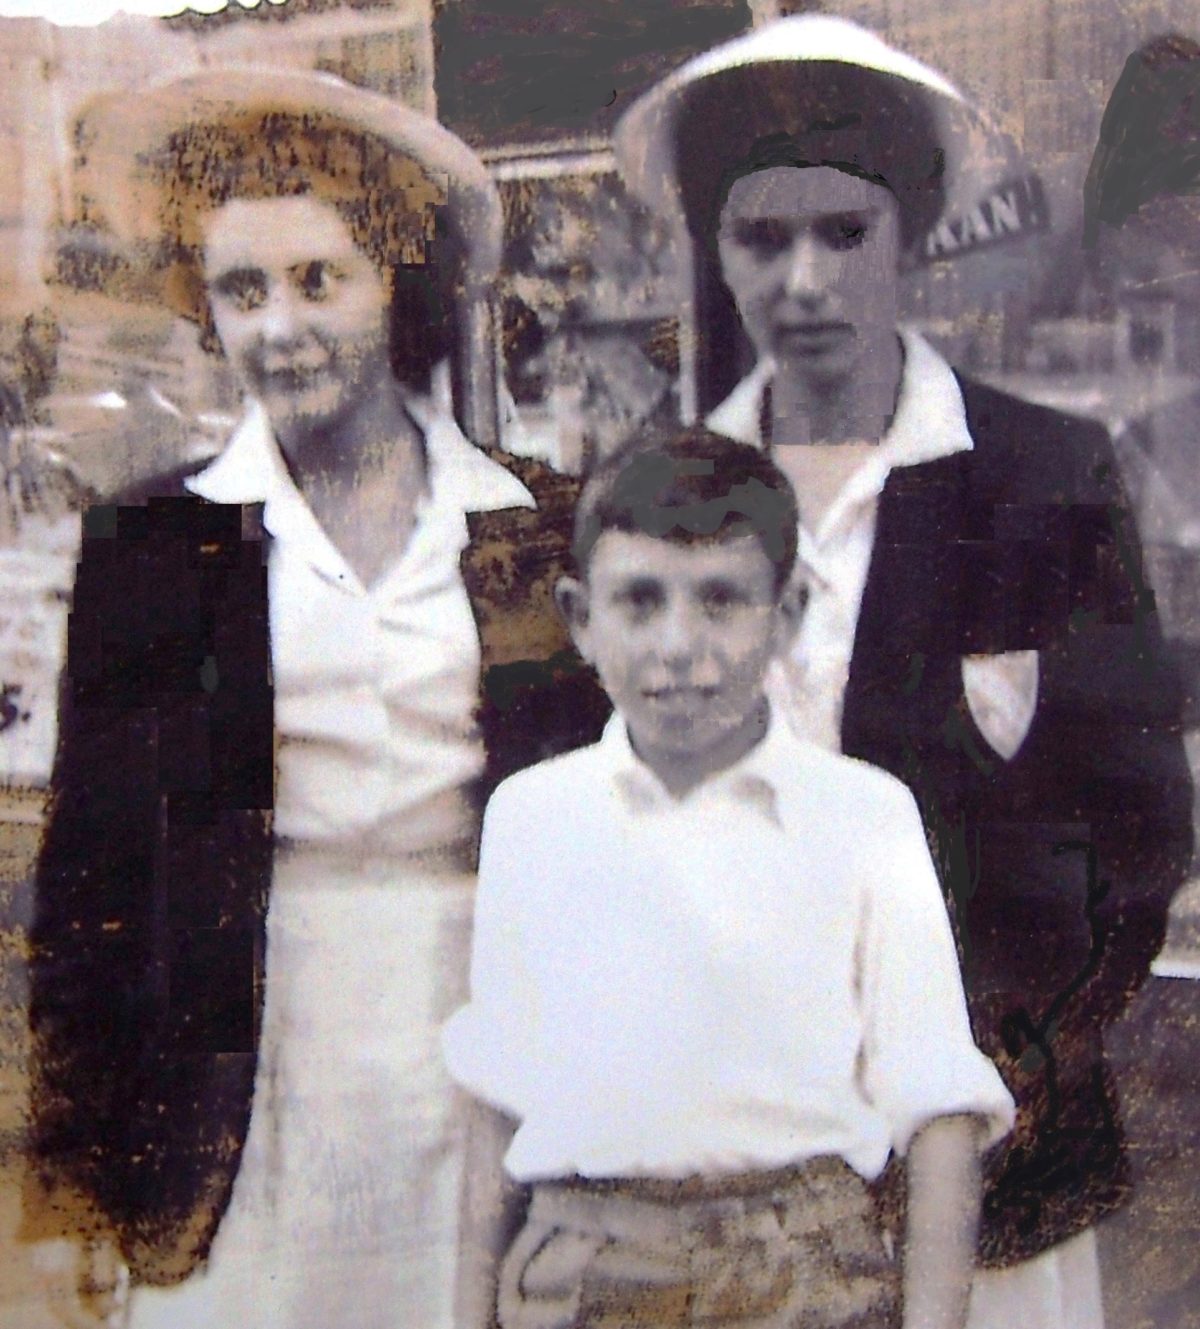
[1002, 694]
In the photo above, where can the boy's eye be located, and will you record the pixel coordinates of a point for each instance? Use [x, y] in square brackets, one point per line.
[765, 236]
[316, 280]
[719, 599]
[243, 288]
[641, 598]
[848, 232]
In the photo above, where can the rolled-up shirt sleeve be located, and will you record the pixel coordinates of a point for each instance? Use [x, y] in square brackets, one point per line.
[919, 1057]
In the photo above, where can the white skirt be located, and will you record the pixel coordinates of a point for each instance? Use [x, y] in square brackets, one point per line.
[1058, 1289]
[345, 1208]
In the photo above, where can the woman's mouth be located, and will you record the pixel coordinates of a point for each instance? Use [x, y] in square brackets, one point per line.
[291, 376]
[812, 338]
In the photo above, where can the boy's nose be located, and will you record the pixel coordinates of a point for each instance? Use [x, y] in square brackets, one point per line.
[677, 636]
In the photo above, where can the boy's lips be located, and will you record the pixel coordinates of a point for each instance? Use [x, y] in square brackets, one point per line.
[680, 694]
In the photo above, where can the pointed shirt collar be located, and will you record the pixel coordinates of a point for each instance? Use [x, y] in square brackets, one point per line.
[758, 782]
[930, 419]
[251, 469]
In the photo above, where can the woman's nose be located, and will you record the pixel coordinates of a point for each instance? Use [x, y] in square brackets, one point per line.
[279, 316]
[809, 269]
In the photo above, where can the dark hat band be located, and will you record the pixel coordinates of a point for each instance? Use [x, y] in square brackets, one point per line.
[751, 117]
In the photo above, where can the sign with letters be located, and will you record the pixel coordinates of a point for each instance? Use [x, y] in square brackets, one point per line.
[1015, 209]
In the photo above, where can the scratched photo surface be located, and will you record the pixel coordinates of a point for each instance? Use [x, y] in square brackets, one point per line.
[315, 316]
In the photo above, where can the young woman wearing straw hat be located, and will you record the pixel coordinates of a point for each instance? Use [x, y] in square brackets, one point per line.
[977, 621]
[288, 674]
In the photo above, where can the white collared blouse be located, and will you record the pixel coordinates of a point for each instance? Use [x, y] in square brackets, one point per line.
[375, 686]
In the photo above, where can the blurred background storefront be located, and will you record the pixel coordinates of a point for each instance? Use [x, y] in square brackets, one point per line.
[98, 385]
[537, 87]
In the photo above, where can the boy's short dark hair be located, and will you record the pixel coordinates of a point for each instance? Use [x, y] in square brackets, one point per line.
[689, 486]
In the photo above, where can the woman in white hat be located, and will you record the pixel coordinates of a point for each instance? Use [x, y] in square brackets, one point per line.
[288, 675]
[977, 622]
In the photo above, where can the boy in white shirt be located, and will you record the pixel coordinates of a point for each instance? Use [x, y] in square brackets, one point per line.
[713, 983]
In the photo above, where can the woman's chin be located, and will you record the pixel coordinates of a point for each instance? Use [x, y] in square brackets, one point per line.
[822, 370]
[313, 409]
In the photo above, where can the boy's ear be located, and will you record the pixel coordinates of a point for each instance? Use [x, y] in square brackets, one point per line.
[571, 597]
[789, 614]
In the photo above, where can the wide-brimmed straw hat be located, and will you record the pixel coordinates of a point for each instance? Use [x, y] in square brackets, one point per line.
[141, 154]
[838, 94]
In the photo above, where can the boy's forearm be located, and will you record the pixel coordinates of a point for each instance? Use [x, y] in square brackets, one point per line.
[490, 1201]
[943, 1220]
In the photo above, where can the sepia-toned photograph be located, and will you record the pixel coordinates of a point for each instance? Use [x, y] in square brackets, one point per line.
[599, 664]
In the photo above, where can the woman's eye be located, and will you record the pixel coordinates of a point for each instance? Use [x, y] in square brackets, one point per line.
[764, 237]
[244, 289]
[316, 280]
[846, 233]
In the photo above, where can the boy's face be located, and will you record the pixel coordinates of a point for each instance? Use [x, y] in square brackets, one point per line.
[681, 636]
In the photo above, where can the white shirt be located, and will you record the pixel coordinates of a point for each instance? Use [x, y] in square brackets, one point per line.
[834, 558]
[375, 687]
[757, 974]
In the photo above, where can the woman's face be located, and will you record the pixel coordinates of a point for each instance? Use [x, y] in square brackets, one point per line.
[812, 258]
[301, 311]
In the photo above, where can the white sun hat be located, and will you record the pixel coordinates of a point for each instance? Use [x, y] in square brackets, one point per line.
[120, 182]
[859, 85]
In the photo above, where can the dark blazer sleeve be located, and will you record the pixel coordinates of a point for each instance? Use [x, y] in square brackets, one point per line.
[146, 944]
[1105, 759]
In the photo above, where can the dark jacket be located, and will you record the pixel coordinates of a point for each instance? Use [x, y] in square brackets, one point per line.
[1059, 865]
[151, 893]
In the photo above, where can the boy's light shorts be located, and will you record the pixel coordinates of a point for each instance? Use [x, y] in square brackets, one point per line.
[761, 1251]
